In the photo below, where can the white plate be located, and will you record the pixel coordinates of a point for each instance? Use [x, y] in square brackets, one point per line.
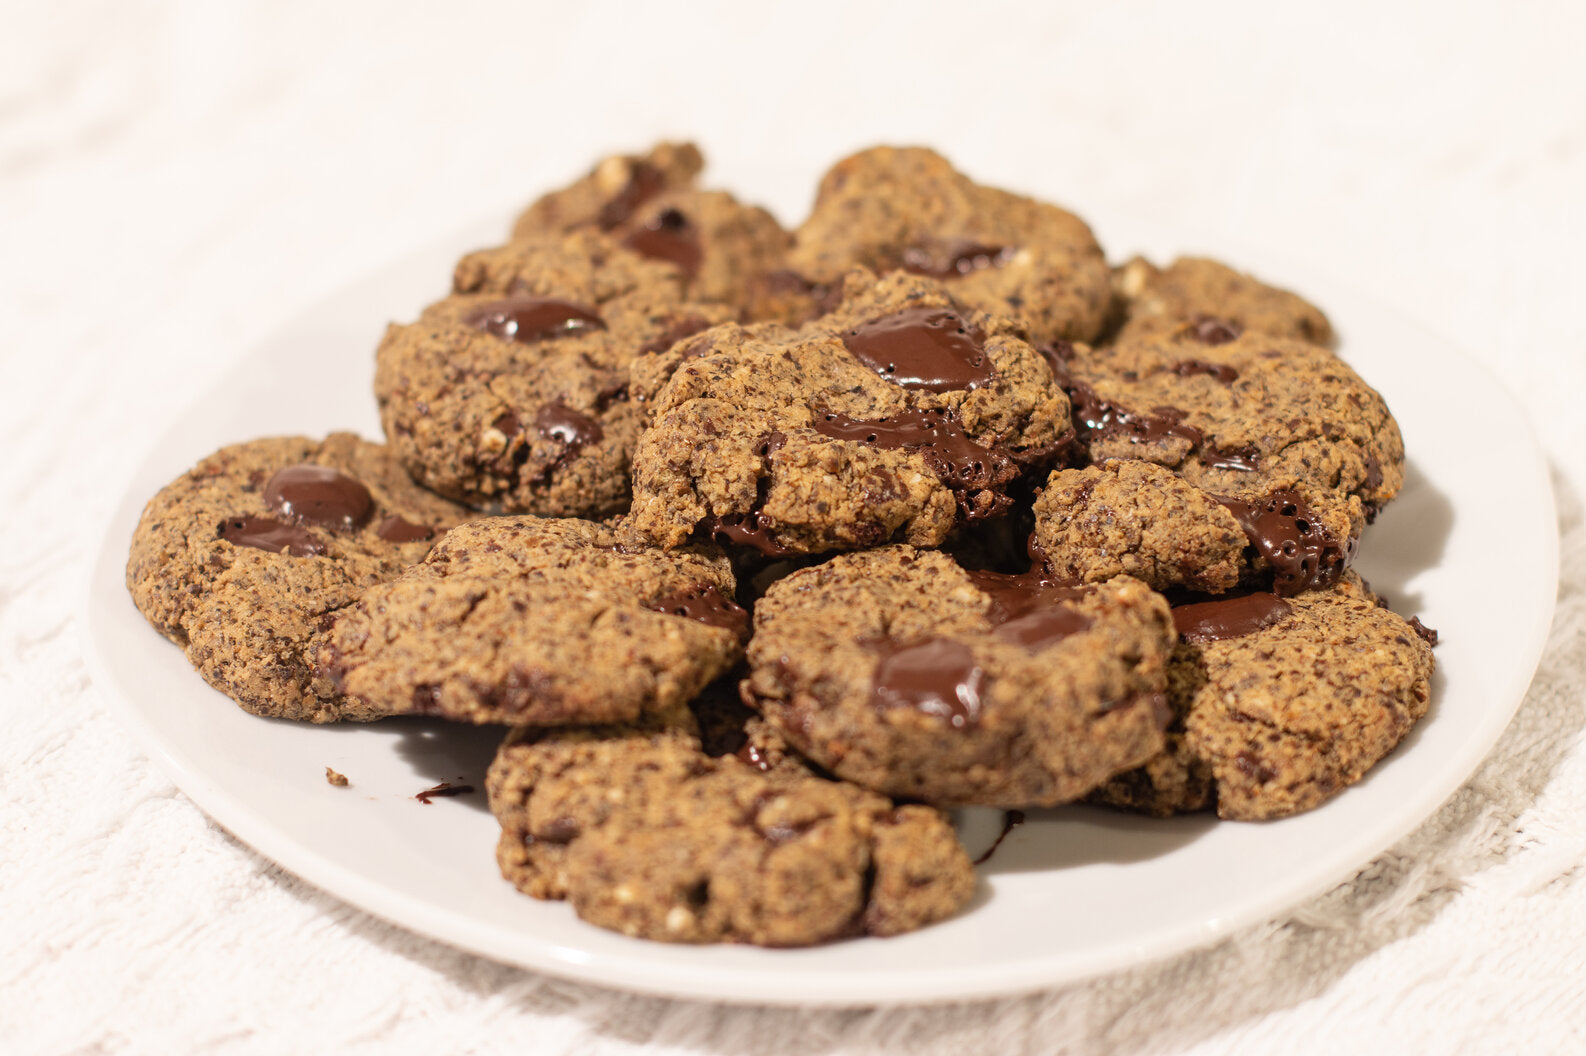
[1072, 893]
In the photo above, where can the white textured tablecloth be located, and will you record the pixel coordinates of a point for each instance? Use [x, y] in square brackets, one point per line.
[176, 179]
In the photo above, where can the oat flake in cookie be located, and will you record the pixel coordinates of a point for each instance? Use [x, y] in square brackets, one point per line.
[902, 672]
[645, 831]
[533, 620]
[1280, 704]
[894, 418]
[240, 559]
[511, 395]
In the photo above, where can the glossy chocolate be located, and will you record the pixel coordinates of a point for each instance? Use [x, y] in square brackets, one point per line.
[1287, 534]
[937, 677]
[1210, 330]
[922, 348]
[671, 237]
[394, 529]
[949, 260]
[708, 606]
[559, 422]
[1232, 617]
[1030, 609]
[1189, 368]
[530, 319]
[746, 529]
[1096, 418]
[319, 495]
[264, 533]
[959, 462]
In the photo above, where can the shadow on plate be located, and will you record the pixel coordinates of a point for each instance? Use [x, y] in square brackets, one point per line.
[440, 752]
[1072, 836]
[1407, 539]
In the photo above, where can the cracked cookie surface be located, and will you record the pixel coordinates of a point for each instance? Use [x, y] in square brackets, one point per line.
[239, 559]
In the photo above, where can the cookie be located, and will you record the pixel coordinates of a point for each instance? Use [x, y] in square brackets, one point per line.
[896, 417]
[901, 672]
[891, 207]
[510, 396]
[1283, 432]
[645, 832]
[1211, 299]
[650, 204]
[1128, 517]
[534, 620]
[1280, 704]
[240, 559]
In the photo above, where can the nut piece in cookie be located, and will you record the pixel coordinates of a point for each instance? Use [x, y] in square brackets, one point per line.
[647, 832]
[722, 247]
[900, 671]
[894, 418]
[511, 394]
[892, 207]
[1280, 704]
[528, 620]
[1212, 301]
[239, 560]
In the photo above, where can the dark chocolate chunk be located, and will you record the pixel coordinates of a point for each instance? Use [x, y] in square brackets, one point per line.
[557, 421]
[263, 533]
[708, 606]
[746, 529]
[319, 495]
[645, 181]
[1422, 631]
[937, 677]
[530, 319]
[922, 348]
[1096, 418]
[948, 260]
[1287, 534]
[1210, 330]
[1230, 617]
[442, 789]
[1189, 368]
[394, 529]
[1029, 608]
[671, 237]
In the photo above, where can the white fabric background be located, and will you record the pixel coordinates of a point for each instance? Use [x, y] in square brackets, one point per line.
[177, 178]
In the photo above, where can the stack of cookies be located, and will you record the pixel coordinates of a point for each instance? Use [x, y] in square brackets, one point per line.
[769, 547]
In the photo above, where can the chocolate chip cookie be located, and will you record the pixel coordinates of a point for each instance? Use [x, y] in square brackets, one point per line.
[1280, 704]
[902, 672]
[896, 417]
[1211, 299]
[511, 395]
[650, 204]
[891, 207]
[240, 559]
[647, 833]
[534, 620]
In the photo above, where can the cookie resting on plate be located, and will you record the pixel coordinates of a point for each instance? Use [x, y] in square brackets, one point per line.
[894, 418]
[534, 620]
[1280, 704]
[1211, 299]
[646, 832]
[902, 672]
[240, 559]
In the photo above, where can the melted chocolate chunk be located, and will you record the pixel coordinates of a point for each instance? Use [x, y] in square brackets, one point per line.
[922, 348]
[1029, 609]
[1190, 368]
[1284, 531]
[1210, 330]
[671, 237]
[645, 181]
[263, 533]
[1244, 459]
[561, 830]
[530, 319]
[319, 495]
[1234, 617]
[442, 789]
[557, 421]
[1011, 819]
[1422, 631]
[394, 529]
[937, 676]
[708, 606]
[951, 259]
[753, 530]
[969, 468]
[1096, 418]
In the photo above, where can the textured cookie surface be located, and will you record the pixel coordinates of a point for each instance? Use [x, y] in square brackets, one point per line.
[532, 620]
[1281, 704]
[647, 833]
[1208, 297]
[889, 207]
[511, 395]
[895, 417]
[898, 670]
[239, 559]
[651, 205]
[1267, 425]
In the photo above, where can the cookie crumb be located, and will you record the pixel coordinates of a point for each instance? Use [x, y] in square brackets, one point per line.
[333, 778]
[442, 789]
